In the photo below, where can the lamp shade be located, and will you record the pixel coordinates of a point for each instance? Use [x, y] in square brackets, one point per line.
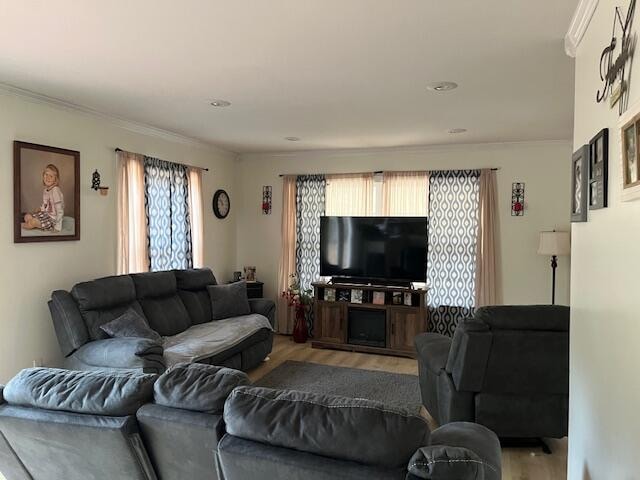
[554, 243]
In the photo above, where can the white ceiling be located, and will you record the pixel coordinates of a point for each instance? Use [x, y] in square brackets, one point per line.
[336, 73]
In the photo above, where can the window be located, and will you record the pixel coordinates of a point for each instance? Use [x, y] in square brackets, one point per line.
[159, 215]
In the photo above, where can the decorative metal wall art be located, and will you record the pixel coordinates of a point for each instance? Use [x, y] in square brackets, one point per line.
[517, 199]
[598, 170]
[266, 199]
[613, 70]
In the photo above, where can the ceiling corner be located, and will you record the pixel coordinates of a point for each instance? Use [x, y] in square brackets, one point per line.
[578, 26]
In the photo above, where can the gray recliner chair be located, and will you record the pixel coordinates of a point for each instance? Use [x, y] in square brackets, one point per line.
[506, 368]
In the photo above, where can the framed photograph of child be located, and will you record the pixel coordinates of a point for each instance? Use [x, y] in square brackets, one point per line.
[46, 193]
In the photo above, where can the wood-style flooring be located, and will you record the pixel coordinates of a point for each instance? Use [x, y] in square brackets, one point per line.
[517, 463]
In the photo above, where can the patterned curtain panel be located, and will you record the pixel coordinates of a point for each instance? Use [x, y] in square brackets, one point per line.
[167, 209]
[310, 198]
[453, 232]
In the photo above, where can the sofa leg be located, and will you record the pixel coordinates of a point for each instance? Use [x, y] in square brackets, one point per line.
[545, 447]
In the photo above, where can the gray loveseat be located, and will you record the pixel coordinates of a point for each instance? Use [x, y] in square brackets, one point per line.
[206, 423]
[174, 304]
[506, 368]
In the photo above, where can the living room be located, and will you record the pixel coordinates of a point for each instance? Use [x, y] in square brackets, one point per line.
[466, 177]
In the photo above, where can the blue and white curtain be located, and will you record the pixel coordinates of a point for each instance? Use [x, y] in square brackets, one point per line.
[452, 239]
[310, 198]
[167, 210]
[310, 206]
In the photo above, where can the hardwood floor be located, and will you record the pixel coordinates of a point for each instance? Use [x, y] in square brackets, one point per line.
[517, 463]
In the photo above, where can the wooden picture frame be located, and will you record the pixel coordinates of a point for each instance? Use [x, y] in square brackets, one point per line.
[599, 170]
[630, 156]
[46, 193]
[579, 184]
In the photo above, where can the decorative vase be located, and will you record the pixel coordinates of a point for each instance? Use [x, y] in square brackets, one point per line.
[300, 333]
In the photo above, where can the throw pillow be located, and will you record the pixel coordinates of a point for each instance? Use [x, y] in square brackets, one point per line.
[130, 324]
[229, 300]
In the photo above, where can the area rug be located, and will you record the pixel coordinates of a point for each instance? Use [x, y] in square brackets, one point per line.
[395, 389]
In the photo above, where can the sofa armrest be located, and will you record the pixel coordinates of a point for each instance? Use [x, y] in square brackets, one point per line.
[461, 450]
[68, 323]
[264, 307]
[433, 350]
[119, 353]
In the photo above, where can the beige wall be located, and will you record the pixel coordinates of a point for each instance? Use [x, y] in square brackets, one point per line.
[604, 419]
[29, 272]
[543, 166]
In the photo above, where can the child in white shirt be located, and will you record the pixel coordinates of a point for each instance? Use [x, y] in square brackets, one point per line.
[49, 216]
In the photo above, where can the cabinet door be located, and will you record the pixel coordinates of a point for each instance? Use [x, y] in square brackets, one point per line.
[330, 322]
[405, 324]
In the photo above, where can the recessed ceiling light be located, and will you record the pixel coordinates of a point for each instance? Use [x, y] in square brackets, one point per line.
[442, 86]
[220, 103]
[457, 130]
[292, 139]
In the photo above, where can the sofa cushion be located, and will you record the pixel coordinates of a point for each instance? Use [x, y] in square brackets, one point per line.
[208, 339]
[229, 300]
[92, 392]
[197, 387]
[101, 301]
[104, 292]
[194, 279]
[192, 288]
[157, 292]
[130, 324]
[525, 317]
[352, 429]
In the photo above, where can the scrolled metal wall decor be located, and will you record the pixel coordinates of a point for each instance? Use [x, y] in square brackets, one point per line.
[614, 70]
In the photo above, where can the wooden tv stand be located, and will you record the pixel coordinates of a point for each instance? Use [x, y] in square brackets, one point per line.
[403, 322]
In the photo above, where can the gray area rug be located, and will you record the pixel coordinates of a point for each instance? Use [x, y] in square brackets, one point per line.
[396, 389]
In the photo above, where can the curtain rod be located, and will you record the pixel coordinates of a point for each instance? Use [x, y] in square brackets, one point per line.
[382, 171]
[118, 149]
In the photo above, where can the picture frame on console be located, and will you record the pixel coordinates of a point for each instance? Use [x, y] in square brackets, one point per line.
[46, 193]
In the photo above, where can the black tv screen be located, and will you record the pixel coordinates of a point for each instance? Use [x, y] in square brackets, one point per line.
[390, 248]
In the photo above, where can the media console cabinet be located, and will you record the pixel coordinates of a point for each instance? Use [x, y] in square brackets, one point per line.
[386, 327]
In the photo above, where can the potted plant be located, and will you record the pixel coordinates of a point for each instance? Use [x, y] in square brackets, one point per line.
[301, 299]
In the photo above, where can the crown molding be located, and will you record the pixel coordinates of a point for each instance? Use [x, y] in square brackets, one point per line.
[135, 127]
[578, 26]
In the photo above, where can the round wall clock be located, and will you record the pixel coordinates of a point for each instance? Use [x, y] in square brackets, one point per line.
[221, 204]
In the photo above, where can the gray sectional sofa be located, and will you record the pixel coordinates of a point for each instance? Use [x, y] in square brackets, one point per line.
[175, 304]
[203, 422]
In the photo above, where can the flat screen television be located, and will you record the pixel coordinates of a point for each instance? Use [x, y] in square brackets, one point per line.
[392, 249]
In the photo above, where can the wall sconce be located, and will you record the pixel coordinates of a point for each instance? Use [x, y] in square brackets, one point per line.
[95, 184]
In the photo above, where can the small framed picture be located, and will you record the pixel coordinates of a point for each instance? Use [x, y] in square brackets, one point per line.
[397, 298]
[330, 294]
[408, 299]
[579, 184]
[598, 170]
[344, 295]
[46, 196]
[378, 298]
[356, 296]
[250, 273]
